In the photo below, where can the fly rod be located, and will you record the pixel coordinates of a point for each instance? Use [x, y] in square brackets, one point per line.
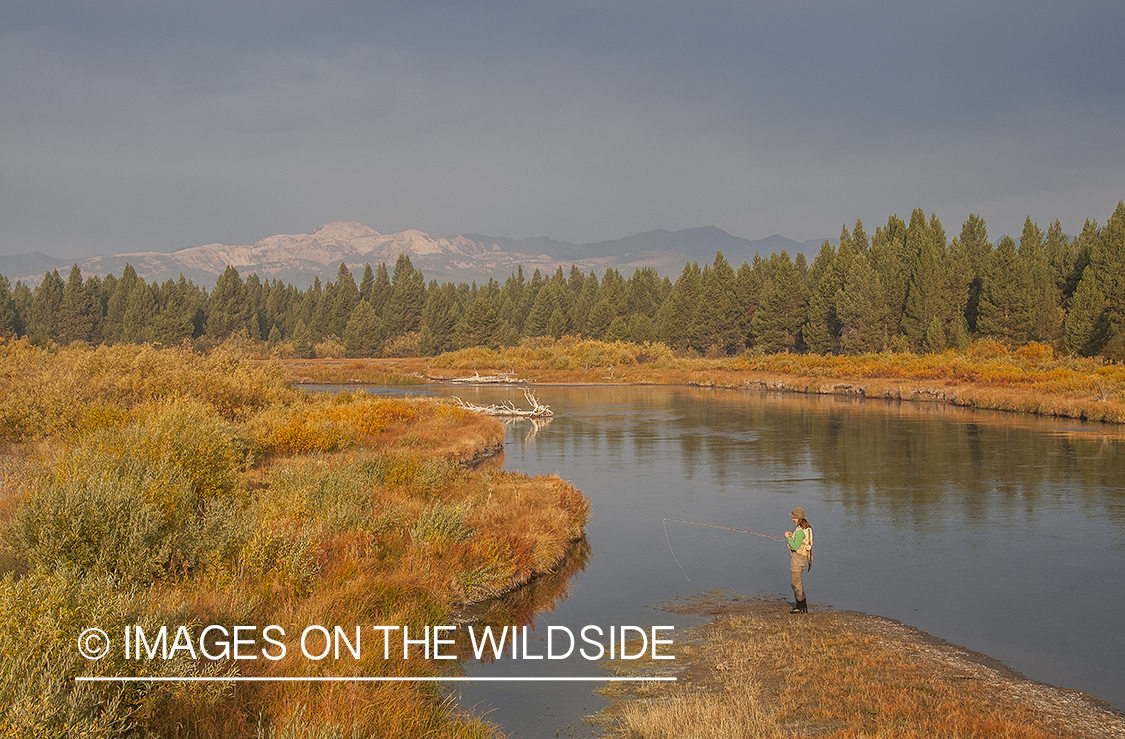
[727, 528]
[710, 526]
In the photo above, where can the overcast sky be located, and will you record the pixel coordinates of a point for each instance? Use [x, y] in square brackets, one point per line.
[130, 125]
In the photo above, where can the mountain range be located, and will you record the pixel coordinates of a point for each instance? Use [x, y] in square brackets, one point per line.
[299, 258]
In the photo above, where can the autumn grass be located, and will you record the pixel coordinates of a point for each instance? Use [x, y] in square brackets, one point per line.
[180, 489]
[758, 671]
[988, 375]
[394, 372]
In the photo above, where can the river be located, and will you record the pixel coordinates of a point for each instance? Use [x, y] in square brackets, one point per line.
[999, 532]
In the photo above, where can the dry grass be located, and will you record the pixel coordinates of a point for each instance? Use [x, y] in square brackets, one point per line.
[180, 489]
[394, 372]
[758, 671]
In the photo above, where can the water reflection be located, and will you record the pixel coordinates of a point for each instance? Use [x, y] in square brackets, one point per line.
[1000, 532]
[521, 606]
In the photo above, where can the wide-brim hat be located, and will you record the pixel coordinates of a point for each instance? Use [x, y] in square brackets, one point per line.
[798, 512]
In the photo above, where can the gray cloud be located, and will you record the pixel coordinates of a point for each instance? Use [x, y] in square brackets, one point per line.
[139, 125]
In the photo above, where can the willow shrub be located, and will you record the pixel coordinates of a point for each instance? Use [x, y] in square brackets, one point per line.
[41, 618]
[136, 502]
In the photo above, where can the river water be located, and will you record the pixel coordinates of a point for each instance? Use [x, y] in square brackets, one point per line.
[1000, 532]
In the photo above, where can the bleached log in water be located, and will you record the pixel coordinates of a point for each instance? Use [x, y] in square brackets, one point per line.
[501, 377]
[509, 410]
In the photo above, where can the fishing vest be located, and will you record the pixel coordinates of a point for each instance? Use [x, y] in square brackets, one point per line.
[806, 544]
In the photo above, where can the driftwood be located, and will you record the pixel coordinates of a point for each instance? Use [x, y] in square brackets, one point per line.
[509, 410]
[500, 377]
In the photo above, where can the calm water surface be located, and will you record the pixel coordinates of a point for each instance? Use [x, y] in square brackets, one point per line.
[1002, 533]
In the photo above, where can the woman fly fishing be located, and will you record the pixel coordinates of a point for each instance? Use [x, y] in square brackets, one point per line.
[800, 554]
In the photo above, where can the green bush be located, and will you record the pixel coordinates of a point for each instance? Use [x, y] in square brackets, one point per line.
[134, 502]
[41, 618]
[122, 519]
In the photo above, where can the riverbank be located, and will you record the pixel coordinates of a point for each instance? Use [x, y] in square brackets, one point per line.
[757, 670]
[988, 375]
[164, 490]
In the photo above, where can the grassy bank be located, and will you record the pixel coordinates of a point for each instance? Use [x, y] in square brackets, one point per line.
[987, 375]
[756, 670]
[160, 487]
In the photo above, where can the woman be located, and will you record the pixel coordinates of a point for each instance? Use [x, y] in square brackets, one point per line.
[800, 555]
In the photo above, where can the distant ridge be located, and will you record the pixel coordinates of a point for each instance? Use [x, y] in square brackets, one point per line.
[29, 264]
[299, 258]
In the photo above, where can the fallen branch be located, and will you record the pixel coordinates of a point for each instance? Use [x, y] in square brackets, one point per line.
[508, 408]
[501, 377]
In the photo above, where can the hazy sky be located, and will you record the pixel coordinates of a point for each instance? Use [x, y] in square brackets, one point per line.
[152, 124]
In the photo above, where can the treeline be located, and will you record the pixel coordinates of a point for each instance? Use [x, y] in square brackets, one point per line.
[906, 287]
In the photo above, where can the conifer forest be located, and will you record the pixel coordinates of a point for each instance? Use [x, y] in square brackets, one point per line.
[906, 287]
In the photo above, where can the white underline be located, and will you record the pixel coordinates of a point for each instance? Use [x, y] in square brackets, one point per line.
[126, 679]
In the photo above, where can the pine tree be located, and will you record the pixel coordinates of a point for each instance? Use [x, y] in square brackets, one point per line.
[511, 297]
[344, 302]
[302, 341]
[674, 319]
[642, 292]
[440, 316]
[43, 322]
[77, 320]
[380, 290]
[253, 308]
[959, 278]
[480, 325]
[925, 314]
[140, 310]
[9, 319]
[363, 333]
[783, 308]
[641, 329]
[575, 282]
[367, 284]
[1007, 310]
[96, 290]
[1087, 323]
[7, 309]
[716, 314]
[584, 303]
[563, 301]
[227, 311]
[541, 310]
[860, 242]
[748, 288]
[613, 290]
[119, 291]
[1109, 260]
[22, 298]
[1047, 317]
[557, 324]
[1061, 256]
[974, 240]
[862, 308]
[170, 326]
[890, 261]
[321, 325]
[191, 300]
[601, 317]
[618, 330]
[1086, 243]
[403, 312]
[826, 278]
